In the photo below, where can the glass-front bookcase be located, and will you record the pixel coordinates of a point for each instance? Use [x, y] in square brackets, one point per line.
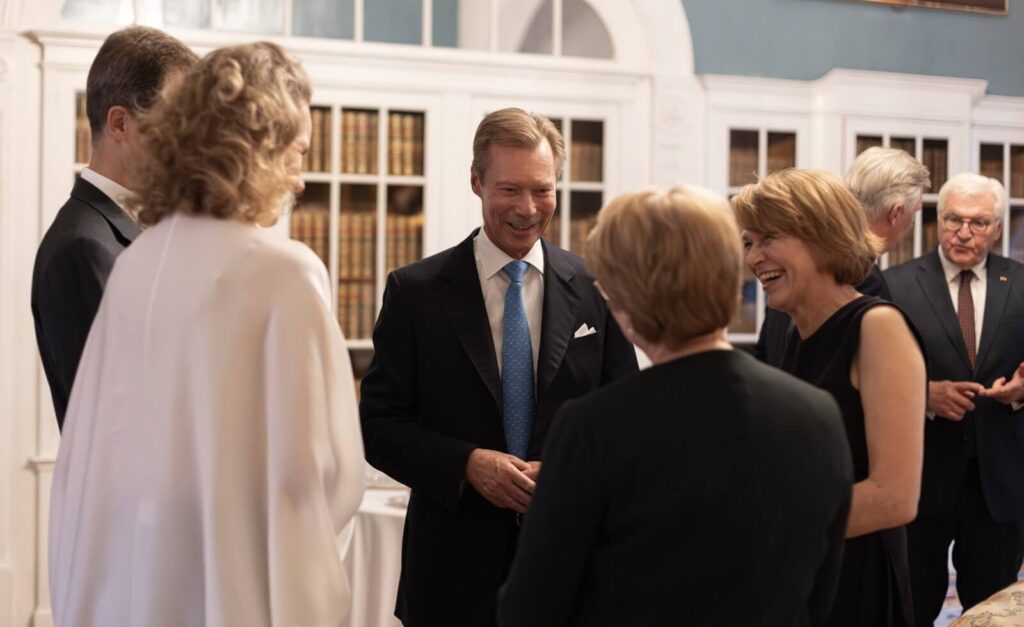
[1004, 160]
[581, 189]
[754, 153]
[362, 211]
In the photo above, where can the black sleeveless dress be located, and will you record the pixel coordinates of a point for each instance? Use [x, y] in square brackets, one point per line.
[874, 583]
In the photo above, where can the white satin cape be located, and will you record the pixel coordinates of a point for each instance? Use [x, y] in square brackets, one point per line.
[211, 454]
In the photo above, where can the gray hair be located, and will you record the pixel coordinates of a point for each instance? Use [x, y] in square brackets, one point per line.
[971, 184]
[883, 177]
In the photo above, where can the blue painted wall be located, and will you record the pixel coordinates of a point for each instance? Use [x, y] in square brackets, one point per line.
[804, 39]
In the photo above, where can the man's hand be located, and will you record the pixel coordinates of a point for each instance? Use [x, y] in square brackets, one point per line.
[952, 399]
[504, 480]
[1007, 392]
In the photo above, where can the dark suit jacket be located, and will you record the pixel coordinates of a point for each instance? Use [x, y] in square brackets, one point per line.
[776, 326]
[709, 490]
[71, 269]
[432, 394]
[993, 430]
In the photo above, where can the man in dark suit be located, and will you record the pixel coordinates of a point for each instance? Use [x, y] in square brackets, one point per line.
[890, 185]
[968, 306]
[476, 348]
[91, 229]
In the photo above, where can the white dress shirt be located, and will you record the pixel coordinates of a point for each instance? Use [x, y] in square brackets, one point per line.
[113, 190]
[493, 283]
[979, 289]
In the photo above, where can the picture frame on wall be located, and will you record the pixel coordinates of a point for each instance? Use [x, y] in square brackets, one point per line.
[991, 7]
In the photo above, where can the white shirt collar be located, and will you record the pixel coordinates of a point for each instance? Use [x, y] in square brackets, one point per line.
[493, 259]
[953, 271]
[113, 190]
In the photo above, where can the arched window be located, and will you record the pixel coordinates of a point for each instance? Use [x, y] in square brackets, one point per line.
[552, 27]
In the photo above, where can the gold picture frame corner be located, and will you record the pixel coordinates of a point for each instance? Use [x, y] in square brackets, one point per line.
[986, 7]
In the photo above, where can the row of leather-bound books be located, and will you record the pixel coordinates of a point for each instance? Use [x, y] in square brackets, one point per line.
[357, 308]
[586, 160]
[357, 239]
[935, 157]
[83, 137]
[992, 165]
[743, 155]
[360, 142]
[318, 157]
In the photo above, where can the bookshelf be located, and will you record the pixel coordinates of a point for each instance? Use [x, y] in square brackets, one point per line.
[754, 153]
[1005, 161]
[83, 136]
[362, 211]
[360, 204]
[581, 190]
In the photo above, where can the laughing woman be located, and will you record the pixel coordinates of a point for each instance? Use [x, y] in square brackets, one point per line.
[806, 239]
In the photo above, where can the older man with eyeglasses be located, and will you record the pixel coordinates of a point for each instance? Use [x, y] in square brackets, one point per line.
[968, 305]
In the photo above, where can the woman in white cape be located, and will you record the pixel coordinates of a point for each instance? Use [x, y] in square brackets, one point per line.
[212, 454]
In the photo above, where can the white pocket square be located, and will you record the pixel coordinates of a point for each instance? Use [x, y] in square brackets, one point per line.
[584, 331]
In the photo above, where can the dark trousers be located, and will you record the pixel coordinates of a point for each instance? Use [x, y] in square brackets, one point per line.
[986, 554]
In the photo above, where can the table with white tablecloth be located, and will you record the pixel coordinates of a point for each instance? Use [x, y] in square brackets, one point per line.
[374, 558]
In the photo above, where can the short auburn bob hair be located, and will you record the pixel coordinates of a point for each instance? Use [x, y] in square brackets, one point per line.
[214, 143]
[815, 207]
[671, 259]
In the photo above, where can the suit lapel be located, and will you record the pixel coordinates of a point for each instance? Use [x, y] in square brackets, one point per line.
[465, 308]
[107, 208]
[932, 279]
[561, 302]
[996, 291]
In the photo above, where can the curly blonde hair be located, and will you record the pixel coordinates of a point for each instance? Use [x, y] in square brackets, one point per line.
[214, 143]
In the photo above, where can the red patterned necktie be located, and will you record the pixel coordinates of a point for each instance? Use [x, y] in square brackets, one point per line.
[965, 314]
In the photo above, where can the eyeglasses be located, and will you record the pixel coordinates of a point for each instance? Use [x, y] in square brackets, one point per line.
[977, 227]
[600, 290]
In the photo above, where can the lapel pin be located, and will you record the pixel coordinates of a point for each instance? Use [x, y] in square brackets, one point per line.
[1003, 279]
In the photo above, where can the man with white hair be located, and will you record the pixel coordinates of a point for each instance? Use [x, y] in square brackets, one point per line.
[968, 306]
[890, 185]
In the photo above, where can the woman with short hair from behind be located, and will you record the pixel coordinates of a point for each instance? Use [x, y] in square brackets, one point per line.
[212, 452]
[709, 489]
[807, 241]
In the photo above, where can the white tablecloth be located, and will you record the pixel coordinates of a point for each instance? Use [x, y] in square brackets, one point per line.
[374, 559]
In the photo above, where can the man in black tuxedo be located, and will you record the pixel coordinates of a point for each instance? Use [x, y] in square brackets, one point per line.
[968, 306]
[890, 184]
[91, 229]
[476, 348]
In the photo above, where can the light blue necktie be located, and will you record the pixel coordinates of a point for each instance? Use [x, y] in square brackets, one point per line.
[516, 365]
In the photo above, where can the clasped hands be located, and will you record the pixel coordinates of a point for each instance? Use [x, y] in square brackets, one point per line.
[504, 480]
[953, 399]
